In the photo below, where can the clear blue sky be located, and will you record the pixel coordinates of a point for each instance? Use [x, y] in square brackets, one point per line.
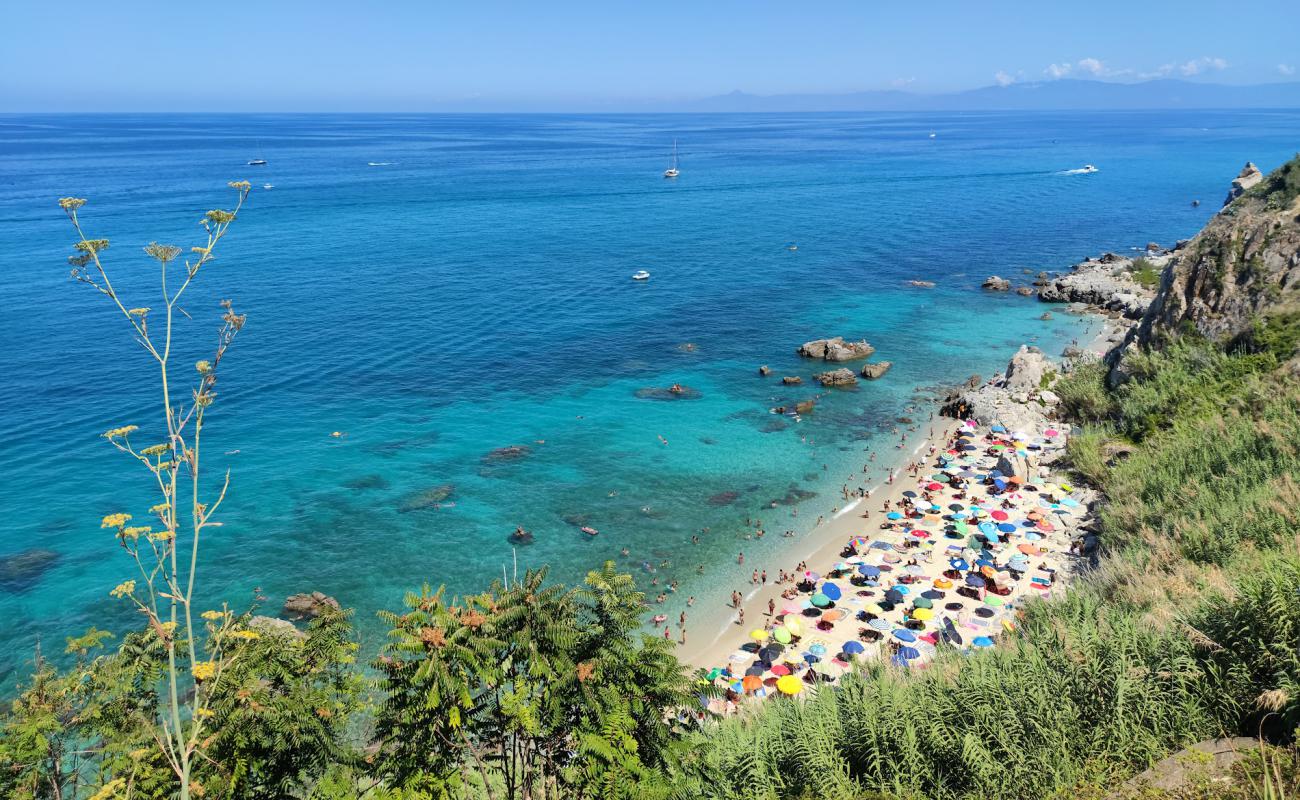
[407, 55]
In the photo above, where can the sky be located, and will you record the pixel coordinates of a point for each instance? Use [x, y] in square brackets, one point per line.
[404, 55]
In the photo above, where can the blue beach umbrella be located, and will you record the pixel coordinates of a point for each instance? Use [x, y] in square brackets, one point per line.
[869, 570]
[1006, 527]
[982, 641]
[903, 635]
[899, 661]
[818, 650]
[893, 515]
[958, 564]
[909, 652]
[831, 590]
[975, 581]
[854, 648]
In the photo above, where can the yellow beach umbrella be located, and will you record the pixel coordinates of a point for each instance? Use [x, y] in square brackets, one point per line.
[789, 684]
[922, 613]
[793, 625]
[758, 635]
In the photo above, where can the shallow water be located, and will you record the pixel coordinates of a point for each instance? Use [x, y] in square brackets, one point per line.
[474, 294]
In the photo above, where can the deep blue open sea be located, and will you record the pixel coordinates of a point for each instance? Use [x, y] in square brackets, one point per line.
[474, 293]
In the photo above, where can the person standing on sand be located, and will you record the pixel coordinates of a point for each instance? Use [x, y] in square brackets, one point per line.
[754, 579]
[681, 622]
[771, 607]
[741, 621]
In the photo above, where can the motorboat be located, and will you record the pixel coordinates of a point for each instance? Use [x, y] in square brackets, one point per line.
[640, 275]
[257, 162]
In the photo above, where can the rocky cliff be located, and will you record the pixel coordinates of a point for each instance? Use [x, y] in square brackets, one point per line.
[1241, 273]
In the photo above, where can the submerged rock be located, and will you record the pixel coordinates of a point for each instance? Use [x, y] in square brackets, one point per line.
[792, 380]
[794, 495]
[764, 370]
[271, 626]
[21, 571]
[838, 377]
[674, 392]
[921, 284]
[805, 406]
[426, 498]
[836, 349]
[874, 371]
[724, 498]
[363, 482]
[512, 452]
[308, 606]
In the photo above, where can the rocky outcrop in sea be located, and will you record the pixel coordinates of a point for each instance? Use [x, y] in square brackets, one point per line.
[1108, 283]
[836, 349]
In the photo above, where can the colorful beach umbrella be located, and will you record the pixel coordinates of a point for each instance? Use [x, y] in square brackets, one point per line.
[789, 684]
[831, 590]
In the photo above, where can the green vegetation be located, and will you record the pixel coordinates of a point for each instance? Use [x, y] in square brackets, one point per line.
[1281, 187]
[1145, 273]
[1188, 628]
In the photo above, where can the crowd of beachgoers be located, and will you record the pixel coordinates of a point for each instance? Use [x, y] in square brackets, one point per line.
[943, 560]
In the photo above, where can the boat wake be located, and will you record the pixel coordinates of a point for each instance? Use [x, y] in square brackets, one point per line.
[1084, 170]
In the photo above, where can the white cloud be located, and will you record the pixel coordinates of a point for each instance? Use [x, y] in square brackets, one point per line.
[1203, 64]
[1003, 78]
[1091, 65]
[1059, 70]
[1286, 69]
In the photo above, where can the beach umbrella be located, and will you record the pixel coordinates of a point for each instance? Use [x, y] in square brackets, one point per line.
[909, 493]
[854, 647]
[869, 570]
[975, 581]
[831, 590]
[811, 577]
[991, 599]
[901, 589]
[909, 652]
[982, 641]
[934, 487]
[834, 615]
[758, 635]
[903, 635]
[751, 682]
[858, 541]
[818, 649]
[789, 684]
[873, 608]
[756, 669]
[780, 669]
[828, 669]
[771, 653]
[782, 635]
[923, 602]
[942, 583]
[999, 515]
[932, 594]
[893, 515]
[1006, 527]
[923, 613]
[958, 564]
[820, 600]
[793, 625]
[880, 624]
[1051, 433]
[713, 674]
[791, 607]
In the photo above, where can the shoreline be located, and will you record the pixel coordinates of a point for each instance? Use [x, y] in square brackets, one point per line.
[821, 547]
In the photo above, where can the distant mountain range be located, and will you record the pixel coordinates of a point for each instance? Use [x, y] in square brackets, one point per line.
[1036, 96]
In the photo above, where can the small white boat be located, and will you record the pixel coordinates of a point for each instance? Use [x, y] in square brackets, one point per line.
[932, 134]
[672, 171]
[640, 275]
[1087, 168]
[268, 186]
[378, 163]
[257, 162]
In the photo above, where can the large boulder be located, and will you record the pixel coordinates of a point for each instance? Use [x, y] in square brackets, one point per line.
[874, 371]
[836, 349]
[1105, 283]
[1026, 370]
[996, 284]
[308, 605]
[792, 380]
[838, 377]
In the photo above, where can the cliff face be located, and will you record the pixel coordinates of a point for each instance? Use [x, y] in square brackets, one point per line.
[1243, 267]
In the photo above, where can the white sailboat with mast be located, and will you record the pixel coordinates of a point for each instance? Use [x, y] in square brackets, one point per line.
[672, 171]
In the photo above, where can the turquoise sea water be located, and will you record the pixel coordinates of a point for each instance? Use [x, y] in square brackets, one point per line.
[474, 293]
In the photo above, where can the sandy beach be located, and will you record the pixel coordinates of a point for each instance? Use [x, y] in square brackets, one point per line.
[1029, 554]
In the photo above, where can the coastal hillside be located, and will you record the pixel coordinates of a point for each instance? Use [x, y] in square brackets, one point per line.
[1238, 280]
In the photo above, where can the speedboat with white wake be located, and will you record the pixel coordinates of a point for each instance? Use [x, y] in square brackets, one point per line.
[640, 275]
[1086, 169]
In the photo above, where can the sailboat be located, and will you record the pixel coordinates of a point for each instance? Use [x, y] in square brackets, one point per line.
[672, 171]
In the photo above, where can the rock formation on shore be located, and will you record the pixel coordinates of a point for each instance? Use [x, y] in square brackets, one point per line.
[838, 377]
[1017, 399]
[836, 349]
[996, 284]
[1239, 274]
[1105, 283]
[1247, 179]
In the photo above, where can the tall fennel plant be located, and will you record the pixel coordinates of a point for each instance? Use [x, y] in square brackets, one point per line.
[167, 558]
